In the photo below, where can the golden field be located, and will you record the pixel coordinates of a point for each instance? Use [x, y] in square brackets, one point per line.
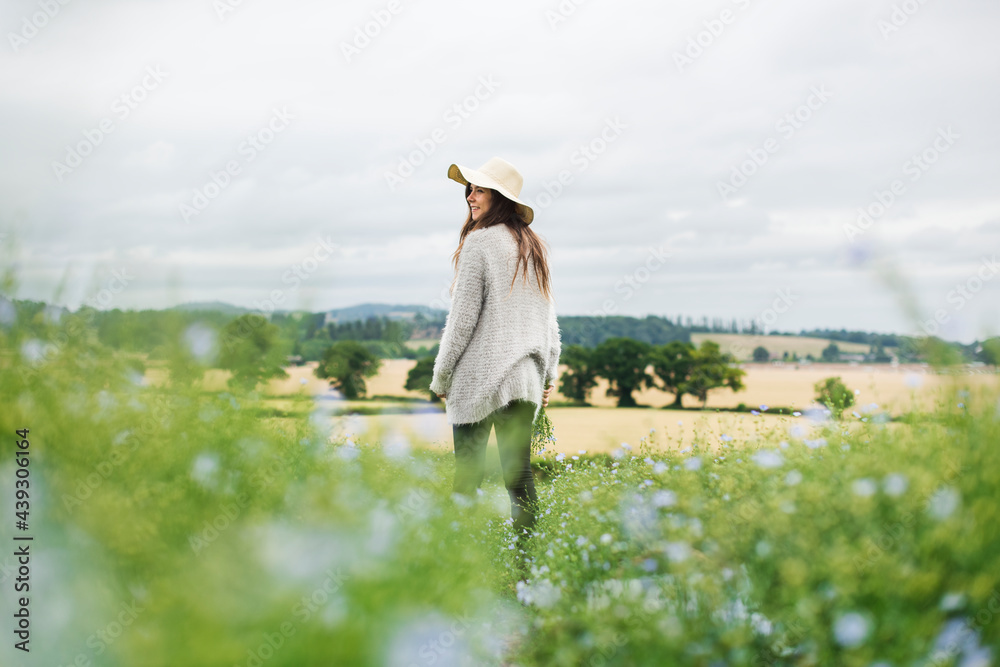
[604, 427]
[742, 346]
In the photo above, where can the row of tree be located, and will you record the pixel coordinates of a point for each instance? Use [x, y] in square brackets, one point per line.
[308, 335]
[831, 353]
[629, 365]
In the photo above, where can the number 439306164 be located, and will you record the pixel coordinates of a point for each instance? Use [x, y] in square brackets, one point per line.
[22, 484]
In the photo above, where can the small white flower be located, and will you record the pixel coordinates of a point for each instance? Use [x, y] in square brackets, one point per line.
[851, 629]
[664, 498]
[944, 502]
[793, 477]
[204, 468]
[693, 463]
[864, 487]
[895, 484]
[606, 538]
[677, 552]
[952, 601]
[818, 415]
[541, 594]
[769, 458]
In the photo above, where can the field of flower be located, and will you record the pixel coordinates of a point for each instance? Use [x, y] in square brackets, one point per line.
[176, 526]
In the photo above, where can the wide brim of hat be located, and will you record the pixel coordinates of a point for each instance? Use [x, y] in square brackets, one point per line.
[465, 175]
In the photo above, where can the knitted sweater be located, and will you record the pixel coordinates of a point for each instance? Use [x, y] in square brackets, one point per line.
[495, 347]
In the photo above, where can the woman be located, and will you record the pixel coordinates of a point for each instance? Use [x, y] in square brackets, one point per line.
[500, 348]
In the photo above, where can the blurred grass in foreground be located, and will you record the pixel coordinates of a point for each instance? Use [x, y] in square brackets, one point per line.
[174, 527]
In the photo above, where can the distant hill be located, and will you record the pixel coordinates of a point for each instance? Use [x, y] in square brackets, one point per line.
[360, 312]
[393, 312]
[217, 306]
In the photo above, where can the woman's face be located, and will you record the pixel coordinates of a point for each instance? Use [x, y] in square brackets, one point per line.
[479, 201]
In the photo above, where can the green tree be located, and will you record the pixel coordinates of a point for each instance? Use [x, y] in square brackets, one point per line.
[622, 362]
[877, 354]
[761, 354]
[991, 352]
[831, 353]
[420, 376]
[250, 348]
[672, 364]
[712, 370]
[580, 376]
[834, 394]
[346, 364]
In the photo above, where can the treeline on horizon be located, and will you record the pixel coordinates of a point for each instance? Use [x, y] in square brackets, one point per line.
[308, 335]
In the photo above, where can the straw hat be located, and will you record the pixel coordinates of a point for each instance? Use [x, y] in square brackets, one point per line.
[498, 175]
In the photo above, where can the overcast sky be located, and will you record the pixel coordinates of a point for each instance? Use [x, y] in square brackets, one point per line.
[714, 155]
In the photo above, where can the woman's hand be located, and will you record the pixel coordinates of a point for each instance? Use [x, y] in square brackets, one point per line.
[545, 396]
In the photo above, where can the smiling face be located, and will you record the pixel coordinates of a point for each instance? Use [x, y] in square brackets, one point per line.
[479, 199]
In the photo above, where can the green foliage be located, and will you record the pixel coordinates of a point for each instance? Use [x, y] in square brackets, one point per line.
[938, 352]
[346, 364]
[834, 394]
[249, 347]
[991, 351]
[760, 354]
[673, 364]
[822, 551]
[186, 530]
[580, 375]
[542, 434]
[590, 331]
[225, 537]
[420, 376]
[712, 370]
[384, 349]
[623, 361]
[830, 353]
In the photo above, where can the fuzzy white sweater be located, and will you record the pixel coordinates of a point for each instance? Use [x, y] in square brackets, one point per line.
[495, 347]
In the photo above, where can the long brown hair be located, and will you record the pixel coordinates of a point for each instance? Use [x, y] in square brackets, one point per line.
[530, 246]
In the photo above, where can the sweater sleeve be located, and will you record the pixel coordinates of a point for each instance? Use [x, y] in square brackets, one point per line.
[466, 304]
[555, 349]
